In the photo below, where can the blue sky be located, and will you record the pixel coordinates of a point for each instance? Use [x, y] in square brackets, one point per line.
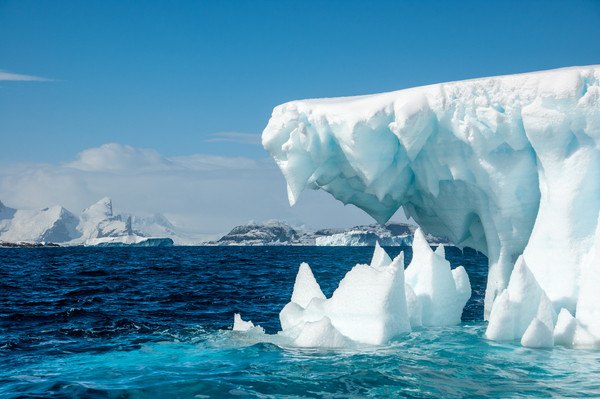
[168, 75]
[201, 78]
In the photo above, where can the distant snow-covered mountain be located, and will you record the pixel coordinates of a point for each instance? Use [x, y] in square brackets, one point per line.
[100, 226]
[98, 221]
[272, 232]
[158, 225]
[280, 233]
[55, 224]
[97, 225]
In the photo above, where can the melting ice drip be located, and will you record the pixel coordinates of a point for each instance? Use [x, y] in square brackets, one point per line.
[507, 165]
[374, 303]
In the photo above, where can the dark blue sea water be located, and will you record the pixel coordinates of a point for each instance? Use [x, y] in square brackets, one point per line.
[155, 323]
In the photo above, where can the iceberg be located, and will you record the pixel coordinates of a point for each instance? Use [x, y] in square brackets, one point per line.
[507, 165]
[523, 311]
[373, 303]
[440, 293]
[240, 324]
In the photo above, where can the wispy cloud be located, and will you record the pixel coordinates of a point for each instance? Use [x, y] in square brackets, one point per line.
[234, 137]
[18, 77]
[121, 158]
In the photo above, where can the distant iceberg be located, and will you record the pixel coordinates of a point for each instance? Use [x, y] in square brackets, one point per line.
[507, 165]
[96, 226]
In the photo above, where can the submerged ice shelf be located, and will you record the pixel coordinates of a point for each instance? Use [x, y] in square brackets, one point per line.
[507, 165]
[373, 303]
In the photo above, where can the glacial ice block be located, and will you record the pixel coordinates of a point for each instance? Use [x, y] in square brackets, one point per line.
[240, 324]
[373, 304]
[507, 165]
[442, 293]
[369, 305]
[520, 308]
[306, 287]
[584, 330]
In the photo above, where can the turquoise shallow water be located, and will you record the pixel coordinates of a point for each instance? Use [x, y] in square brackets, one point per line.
[154, 323]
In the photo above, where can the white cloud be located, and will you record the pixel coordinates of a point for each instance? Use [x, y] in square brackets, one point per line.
[119, 158]
[17, 77]
[235, 137]
[202, 194]
[114, 157]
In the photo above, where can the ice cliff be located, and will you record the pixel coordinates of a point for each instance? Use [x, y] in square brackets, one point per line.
[507, 165]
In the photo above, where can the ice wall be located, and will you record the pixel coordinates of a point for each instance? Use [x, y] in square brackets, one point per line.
[507, 165]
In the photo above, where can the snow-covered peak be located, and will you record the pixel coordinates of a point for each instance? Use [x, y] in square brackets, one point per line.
[269, 233]
[99, 210]
[6, 212]
[54, 224]
[98, 221]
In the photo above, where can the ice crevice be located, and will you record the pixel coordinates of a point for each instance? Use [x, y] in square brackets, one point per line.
[507, 165]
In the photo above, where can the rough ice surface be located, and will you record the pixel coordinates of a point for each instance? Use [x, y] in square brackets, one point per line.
[321, 334]
[538, 335]
[518, 305]
[584, 330]
[306, 287]
[441, 293]
[246, 326]
[507, 165]
[373, 304]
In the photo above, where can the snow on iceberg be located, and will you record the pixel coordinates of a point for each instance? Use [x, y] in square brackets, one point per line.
[519, 310]
[373, 304]
[441, 293]
[242, 325]
[507, 165]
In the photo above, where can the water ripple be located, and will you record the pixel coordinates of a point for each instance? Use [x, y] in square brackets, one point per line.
[154, 322]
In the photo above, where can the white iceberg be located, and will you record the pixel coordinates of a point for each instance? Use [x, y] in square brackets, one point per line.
[373, 304]
[507, 165]
[441, 293]
[517, 306]
[240, 324]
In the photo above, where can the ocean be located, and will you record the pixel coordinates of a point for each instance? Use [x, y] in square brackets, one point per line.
[156, 323]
